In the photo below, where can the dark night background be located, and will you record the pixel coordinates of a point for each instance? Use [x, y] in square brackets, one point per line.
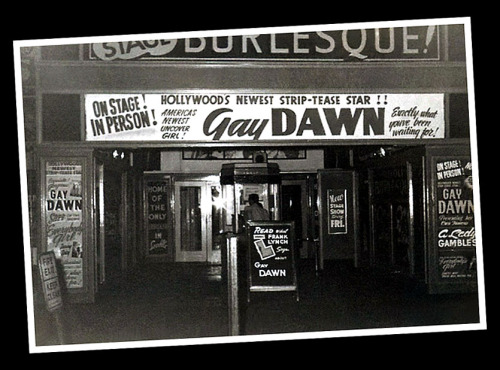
[83, 20]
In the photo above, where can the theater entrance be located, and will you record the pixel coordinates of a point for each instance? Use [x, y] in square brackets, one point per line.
[197, 219]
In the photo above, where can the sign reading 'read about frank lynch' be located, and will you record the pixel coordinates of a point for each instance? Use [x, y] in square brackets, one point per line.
[217, 117]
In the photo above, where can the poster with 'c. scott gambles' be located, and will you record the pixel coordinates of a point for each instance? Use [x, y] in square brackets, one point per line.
[219, 117]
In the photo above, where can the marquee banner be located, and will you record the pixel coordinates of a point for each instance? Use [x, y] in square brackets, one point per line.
[225, 118]
[375, 44]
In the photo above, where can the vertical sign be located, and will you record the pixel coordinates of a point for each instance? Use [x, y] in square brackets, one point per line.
[50, 280]
[157, 216]
[337, 211]
[337, 240]
[455, 219]
[63, 210]
[271, 259]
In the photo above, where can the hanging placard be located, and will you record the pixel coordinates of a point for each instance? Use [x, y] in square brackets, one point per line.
[337, 211]
[157, 210]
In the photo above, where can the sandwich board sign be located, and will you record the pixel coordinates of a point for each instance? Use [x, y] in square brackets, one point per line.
[50, 281]
[271, 256]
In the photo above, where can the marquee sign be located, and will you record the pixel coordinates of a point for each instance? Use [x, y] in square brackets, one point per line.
[377, 44]
[224, 118]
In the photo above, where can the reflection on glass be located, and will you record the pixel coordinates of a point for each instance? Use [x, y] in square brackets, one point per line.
[190, 218]
[217, 227]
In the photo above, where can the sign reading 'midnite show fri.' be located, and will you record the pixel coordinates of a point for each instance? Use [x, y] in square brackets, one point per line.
[336, 203]
[213, 117]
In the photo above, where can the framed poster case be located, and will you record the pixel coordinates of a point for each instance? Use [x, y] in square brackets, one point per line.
[67, 205]
[452, 237]
[271, 257]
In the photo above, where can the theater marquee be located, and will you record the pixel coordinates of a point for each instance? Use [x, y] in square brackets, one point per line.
[376, 44]
[216, 117]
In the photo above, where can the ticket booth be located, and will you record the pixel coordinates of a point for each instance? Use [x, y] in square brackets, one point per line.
[266, 250]
[239, 180]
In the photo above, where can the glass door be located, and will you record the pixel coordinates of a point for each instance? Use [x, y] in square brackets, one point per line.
[99, 226]
[192, 221]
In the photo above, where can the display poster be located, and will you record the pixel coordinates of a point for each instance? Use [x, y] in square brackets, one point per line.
[337, 211]
[271, 255]
[63, 215]
[455, 217]
[352, 45]
[157, 192]
[214, 117]
[50, 280]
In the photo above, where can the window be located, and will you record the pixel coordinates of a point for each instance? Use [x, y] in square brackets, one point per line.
[61, 117]
[459, 116]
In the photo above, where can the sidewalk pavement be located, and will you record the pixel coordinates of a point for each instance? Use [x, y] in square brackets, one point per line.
[182, 301]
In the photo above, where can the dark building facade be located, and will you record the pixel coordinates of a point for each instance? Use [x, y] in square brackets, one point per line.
[145, 151]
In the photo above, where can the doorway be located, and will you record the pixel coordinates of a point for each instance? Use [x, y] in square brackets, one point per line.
[114, 219]
[197, 220]
[293, 199]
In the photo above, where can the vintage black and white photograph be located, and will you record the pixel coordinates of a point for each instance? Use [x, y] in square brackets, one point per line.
[249, 184]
